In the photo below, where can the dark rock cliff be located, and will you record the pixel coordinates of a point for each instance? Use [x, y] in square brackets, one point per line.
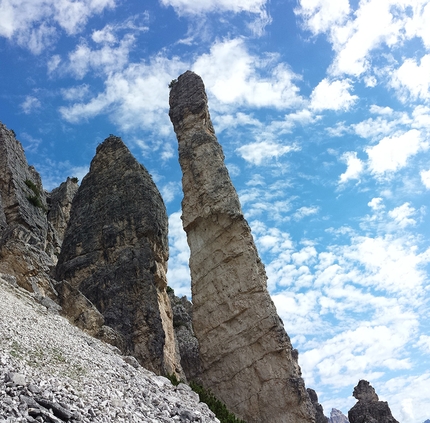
[186, 339]
[369, 409]
[319, 411]
[115, 253]
[25, 248]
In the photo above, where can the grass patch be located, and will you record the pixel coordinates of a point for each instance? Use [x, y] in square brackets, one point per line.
[214, 404]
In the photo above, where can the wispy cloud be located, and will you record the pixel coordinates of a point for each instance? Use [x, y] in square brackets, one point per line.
[37, 27]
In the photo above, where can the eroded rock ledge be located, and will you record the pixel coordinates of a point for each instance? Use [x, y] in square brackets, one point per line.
[246, 355]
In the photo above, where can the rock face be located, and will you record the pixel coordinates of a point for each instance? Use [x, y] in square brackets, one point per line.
[319, 411]
[246, 355]
[368, 408]
[336, 416]
[115, 253]
[25, 250]
[60, 203]
[186, 339]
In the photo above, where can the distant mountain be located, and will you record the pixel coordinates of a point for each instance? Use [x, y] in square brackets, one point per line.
[337, 416]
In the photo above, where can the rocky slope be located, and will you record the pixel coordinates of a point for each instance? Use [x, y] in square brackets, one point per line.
[246, 356]
[50, 371]
[368, 408]
[115, 253]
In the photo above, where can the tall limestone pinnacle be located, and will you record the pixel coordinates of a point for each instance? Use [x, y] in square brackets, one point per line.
[115, 252]
[246, 356]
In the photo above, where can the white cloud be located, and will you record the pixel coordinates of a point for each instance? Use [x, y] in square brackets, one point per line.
[425, 178]
[30, 104]
[402, 215]
[136, 97]
[332, 95]
[33, 23]
[424, 343]
[257, 152]
[205, 6]
[392, 153]
[354, 167]
[375, 23]
[234, 77]
[376, 204]
[79, 92]
[412, 79]
[109, 58]
[304, 212]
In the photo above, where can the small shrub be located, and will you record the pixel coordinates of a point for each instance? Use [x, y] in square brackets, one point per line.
[172, 377]
[32, 186]
[214, 404]
[172, 83]
[74, 179]
[169, 289]
[36, 201]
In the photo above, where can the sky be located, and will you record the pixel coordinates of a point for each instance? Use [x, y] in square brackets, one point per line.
[322, 108]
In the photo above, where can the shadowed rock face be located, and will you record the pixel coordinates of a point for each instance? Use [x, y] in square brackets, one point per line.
[368, 408]
[25, 250]
[60, 203]
[115, 252]
[319, 411]
[246, 356]
[186, 339]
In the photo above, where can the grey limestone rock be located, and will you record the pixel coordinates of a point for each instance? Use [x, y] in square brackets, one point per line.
[187, 342]
[25, 250]
[246, 356]
[60, 203]
[336, 416]
[115, 253]
[369, 409]
[319, 411]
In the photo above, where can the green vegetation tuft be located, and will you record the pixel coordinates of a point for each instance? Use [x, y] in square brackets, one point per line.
[32, 186]
[74, 179]
[172, 377]
[214, 404]
[169, 289]
[172, 83]
[35, 199]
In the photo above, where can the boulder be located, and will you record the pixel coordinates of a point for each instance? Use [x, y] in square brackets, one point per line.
[115, 253]
[246, 356]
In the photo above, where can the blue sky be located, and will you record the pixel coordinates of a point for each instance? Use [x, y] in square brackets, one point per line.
[323, 110]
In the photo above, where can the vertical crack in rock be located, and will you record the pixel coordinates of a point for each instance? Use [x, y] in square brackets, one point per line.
[115, 253]
[246, 355]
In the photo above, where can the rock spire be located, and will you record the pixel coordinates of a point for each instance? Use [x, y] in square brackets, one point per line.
[246, 356]
[368, 408]
[115, 253]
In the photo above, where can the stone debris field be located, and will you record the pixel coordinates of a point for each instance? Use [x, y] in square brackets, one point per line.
[51, 371]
